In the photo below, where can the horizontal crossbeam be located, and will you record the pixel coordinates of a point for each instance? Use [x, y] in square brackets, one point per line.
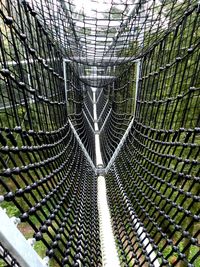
[97, 77]
[101, 61]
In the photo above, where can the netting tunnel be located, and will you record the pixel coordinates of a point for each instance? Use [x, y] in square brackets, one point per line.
[99, 133]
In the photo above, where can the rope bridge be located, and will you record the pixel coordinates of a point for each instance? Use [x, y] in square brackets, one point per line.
[99, 133]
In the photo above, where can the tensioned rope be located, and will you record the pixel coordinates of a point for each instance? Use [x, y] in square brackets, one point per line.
[99, 103]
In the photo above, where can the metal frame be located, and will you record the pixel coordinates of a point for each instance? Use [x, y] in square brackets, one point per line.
[106, 233]
[88, 121]
[97, 77]
[99, 162]
[104, 61]
[82, 146]
[88, 112]
[97, 100]
[106, 104]
[110, 163]
[107, 117]
[65, 78]
[14, 241]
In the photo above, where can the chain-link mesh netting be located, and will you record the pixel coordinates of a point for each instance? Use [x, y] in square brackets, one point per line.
[154, 183]
[138, 61]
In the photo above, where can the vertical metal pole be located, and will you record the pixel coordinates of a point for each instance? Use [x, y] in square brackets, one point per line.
[138, 64]
[65, 80]
[99, 161]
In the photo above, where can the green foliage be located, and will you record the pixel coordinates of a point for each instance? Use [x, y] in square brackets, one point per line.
[2, 263]
[11, 209]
